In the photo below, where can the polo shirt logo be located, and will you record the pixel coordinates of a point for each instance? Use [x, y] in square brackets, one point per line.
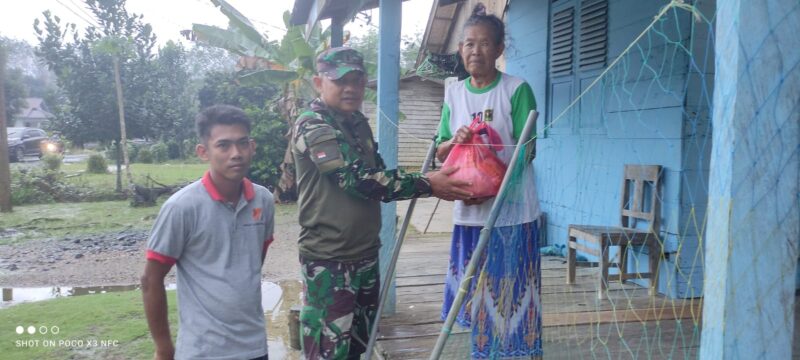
[257, 214]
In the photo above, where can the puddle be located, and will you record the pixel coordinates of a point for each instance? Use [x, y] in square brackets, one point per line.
[276, 298]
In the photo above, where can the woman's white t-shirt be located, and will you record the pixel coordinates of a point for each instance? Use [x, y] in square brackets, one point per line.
[504, 105]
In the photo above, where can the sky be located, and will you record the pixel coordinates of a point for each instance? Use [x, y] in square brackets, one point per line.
[169, 17]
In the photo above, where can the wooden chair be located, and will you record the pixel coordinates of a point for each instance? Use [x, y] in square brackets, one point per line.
[636, 179]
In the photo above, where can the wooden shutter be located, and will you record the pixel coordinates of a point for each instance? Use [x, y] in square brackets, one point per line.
[562, 40]
[593, 34]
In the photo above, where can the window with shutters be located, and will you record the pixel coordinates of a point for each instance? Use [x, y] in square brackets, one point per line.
[578, 53]
[562, 40]
[593, 34]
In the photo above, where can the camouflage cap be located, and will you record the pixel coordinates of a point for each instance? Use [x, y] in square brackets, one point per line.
[337, 62]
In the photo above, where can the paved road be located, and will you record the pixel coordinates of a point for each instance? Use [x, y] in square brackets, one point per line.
[33, 161]
[68, 159]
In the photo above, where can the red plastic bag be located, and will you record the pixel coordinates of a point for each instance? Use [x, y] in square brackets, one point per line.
[477, 162]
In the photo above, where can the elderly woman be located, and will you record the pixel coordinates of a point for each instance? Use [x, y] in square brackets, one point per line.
[502, 305]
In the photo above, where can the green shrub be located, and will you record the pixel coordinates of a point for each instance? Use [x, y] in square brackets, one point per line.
[97, 165]
[268, 130]
[52, 162]
[133, 153]
[133, 150]
[174, 150]
[145, 156]
[188, 148]
[25, 187]
[159, 151]
[111, 153]
[40, 186]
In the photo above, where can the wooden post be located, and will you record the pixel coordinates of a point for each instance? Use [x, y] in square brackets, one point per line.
[122, 133]
[5, 170]
[337, 31]
[751, 243]
[387, 118]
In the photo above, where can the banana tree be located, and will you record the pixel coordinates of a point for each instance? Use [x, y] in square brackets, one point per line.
[288, 63]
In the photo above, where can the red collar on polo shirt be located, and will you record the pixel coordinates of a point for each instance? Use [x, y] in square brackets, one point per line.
[247, 187]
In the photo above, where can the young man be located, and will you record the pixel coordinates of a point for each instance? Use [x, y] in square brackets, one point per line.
[217, 231]
[341, 181]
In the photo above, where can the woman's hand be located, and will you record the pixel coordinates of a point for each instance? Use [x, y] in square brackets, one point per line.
[462, 135]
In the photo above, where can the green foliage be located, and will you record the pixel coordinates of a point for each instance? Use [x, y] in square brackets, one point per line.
[188, 147]
[15, 90]
[156, 88]
[52, 162]
[174, 150]
[224, 88]
[159, 152]
[268, 125]
[268, 130]
[145, 156]
[25, 187]
[40, 186]
[97, 164]
[133, 153]
[367, 45]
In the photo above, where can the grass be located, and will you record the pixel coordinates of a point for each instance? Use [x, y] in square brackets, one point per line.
[101, 317]
[63, 219]
[167, 174]
[58, 220]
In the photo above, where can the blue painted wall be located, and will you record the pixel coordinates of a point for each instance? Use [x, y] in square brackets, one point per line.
[652, 108]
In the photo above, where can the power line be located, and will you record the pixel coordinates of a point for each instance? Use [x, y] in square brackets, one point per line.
[89, 22]
[250, 19]
[79, 7]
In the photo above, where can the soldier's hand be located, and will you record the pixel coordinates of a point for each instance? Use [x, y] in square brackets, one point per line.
[446, 188]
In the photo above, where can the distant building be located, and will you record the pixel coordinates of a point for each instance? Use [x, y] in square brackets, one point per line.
[34, 114]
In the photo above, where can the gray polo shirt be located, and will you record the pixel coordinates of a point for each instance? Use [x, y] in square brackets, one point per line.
[218, 250]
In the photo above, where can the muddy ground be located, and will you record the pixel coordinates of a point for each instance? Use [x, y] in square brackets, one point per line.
[117, 258]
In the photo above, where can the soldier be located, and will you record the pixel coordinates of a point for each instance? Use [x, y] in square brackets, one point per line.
[341, 181]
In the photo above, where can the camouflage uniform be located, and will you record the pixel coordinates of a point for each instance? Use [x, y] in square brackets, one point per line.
[341, 180]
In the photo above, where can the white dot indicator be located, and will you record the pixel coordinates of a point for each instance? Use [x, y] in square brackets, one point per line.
[20, 330]
[31, 329]
[42, 330]
[55, 330]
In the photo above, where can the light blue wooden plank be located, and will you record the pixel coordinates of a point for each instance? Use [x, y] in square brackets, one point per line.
[655, 124]
[388, 99]
[753, 192]
[655, 61]
[662, 92]
[628, 18]
[592, 107]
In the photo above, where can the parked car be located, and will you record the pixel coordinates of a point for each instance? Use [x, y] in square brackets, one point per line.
[24, 141]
